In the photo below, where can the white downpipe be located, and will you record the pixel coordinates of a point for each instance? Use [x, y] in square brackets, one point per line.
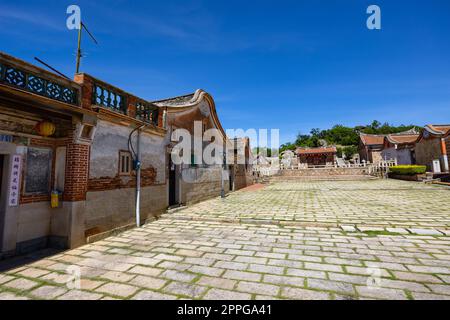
[138, 180]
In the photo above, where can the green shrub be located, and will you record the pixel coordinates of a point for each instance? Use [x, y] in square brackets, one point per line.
[408, 169]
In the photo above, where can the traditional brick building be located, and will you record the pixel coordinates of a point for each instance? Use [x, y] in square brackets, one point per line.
[83, 138]
[42, 148]
[321, 156]
[370, 147]
[400, 147]
[433, 144]
[110, 200]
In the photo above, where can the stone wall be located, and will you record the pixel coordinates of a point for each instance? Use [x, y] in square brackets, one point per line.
[198, 184]
[110, 209]
[428, 150]
[375, 156]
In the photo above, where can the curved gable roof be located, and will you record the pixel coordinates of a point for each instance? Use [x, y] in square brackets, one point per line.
[402, 139]
[190, 101]
[436, 130]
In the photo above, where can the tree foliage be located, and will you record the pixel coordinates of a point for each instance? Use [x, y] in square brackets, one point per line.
[340, 135]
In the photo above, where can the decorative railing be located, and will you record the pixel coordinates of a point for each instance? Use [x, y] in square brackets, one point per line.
[108, 98]
[28, 81]
[381, 168]
[147, 112]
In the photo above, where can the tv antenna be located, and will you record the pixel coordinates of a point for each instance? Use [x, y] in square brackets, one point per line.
[79, 55]
[51, 68]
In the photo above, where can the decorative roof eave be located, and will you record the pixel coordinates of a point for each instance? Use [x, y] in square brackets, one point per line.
[432, 131]
[196, 99]
[391, 138]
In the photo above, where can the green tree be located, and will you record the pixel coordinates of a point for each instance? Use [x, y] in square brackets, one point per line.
[287, 146]
[349, 151]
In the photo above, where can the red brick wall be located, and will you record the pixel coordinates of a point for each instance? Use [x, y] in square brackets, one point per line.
[77, 171]
[131, 108]
[160, 118]
[148, 176]
[86, 89]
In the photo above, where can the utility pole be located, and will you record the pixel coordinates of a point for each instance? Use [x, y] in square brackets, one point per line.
[79, 55]
[79, 49]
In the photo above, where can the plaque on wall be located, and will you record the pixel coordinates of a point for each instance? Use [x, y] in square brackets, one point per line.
[38, 170]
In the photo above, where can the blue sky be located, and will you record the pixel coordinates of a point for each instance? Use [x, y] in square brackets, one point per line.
[292, 65]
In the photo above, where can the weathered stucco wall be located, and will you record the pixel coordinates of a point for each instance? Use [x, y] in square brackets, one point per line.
[110, 201]
[111, 138]
[403, 156]
[199, 184]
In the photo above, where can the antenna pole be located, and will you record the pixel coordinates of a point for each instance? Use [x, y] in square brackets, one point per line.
[79, 49]
[51, 68]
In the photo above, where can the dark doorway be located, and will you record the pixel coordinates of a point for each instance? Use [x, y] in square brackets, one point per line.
[1, 172]
[2, 201]
[172, 183]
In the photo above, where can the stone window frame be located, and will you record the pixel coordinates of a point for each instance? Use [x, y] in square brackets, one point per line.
[125, 169]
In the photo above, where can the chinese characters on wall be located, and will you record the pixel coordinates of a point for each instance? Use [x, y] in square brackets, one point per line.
[14, 183]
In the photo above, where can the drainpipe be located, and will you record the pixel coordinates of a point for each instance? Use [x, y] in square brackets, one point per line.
[222, 171]
[138, 179]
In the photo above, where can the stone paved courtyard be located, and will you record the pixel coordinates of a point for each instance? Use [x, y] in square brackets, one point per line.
[281, 241]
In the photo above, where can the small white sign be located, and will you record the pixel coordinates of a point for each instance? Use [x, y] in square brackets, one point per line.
[14, 181]
[436, 166]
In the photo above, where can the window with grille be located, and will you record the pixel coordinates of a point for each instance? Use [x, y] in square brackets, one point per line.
[125, 163]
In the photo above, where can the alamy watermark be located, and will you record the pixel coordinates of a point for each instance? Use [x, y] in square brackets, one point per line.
[74, 19]
[210, 147]
[374, 20]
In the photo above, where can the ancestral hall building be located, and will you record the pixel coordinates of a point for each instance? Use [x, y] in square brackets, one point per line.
[321, 156]
[69, 152]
